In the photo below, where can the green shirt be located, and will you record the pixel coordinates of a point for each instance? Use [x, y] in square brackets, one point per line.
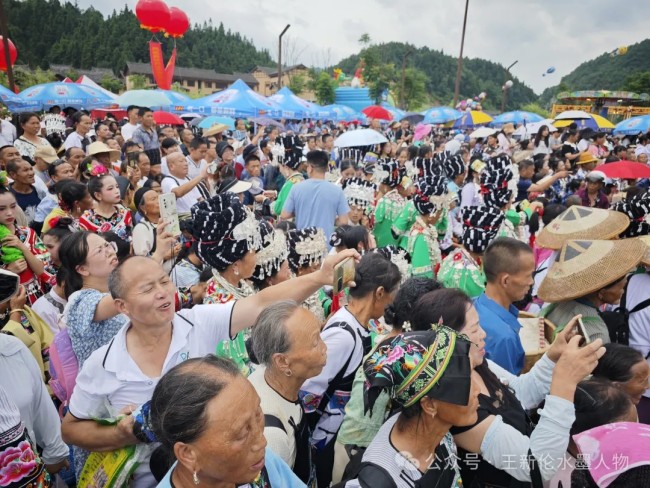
[460, 270]
[387, 210]
[284, 193]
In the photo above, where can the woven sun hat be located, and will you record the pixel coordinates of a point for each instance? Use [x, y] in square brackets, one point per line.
[586, 158]
[646, 257]
[583, 267]
[578, 222]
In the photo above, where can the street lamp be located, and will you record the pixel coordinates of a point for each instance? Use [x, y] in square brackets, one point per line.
[459, 67]
[280, 56]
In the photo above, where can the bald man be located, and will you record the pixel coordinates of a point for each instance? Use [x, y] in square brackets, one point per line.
[178, 183]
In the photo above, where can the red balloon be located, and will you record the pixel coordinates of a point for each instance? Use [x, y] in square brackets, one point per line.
[152, 14]
[178, 23]
[13, 54]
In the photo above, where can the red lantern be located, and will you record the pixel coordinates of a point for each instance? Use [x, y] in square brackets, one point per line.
[178, 23]
[152, 14]
[13, 54]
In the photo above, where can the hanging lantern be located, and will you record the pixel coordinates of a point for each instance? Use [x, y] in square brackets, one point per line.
[178, 23]
[152, 14]
[13, 54]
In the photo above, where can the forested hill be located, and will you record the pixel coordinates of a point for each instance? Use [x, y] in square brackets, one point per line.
[607, 72]
[50, 32]
[479, 75]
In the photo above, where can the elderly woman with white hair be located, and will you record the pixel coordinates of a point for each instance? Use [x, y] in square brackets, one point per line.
[287, 343]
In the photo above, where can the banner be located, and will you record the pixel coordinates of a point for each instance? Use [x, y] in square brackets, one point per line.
[162, 75]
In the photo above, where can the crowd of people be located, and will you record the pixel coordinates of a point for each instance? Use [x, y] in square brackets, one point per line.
[494, 334]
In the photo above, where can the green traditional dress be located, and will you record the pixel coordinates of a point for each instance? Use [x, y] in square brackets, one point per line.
[387, 210]
[284, 192]
[404, 222]
[220, 291]
[460, 270]
[511, 226]
[422, 245]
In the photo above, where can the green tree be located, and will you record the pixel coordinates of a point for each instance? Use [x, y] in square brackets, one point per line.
[536, 108]
[415, 90]
[324, 87]
[111, 84]
[298, 84]
[638, 82]
[364, 40]
[138, 82]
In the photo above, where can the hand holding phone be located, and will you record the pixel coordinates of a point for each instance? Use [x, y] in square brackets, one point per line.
[583, 332]
[169, 213]
[343, 275]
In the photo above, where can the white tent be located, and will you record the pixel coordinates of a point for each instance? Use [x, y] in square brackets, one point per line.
[84, 80]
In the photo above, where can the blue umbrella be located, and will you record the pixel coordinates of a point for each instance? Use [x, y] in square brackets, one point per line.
[179, 100]
[633, 126]
[9, 98]
[515, 117]
[295, 107]
[153, 99]
[75, 95]
[238, 100]
[394, 111]
[343, 113]
[214, 119]
[440, 115]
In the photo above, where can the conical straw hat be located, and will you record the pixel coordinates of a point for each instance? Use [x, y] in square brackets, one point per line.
[646, 257]
[583, 267]
[578, 222]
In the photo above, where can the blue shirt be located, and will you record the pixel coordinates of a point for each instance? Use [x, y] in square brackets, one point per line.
[280, 474]
[316, 203]
[502, 344]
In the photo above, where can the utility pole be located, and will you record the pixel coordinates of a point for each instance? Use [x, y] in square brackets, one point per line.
[280, 56]
[402, 101]
[506, 86]
[5, 42]
[460, 57]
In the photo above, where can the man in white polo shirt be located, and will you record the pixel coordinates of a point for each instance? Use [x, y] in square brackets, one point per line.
[178, 182]
[125, 372]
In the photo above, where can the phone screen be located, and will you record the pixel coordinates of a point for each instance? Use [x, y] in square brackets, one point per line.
[583, 332]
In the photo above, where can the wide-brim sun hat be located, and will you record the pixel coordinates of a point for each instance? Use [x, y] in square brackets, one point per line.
[645, 260]
[586, 158]
[101, 148]
[214, 130]
[585, 266]
[579, 223]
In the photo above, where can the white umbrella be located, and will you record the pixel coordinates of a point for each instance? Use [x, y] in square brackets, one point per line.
[360, 137]
[190, 116]
[533, 128]
[482, 133]
[573, 115]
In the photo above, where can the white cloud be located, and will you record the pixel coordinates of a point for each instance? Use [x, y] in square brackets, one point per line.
[537, 33]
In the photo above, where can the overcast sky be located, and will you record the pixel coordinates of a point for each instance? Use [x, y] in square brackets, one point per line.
[537, 33]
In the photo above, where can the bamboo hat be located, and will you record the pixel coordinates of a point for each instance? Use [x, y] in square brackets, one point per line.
[646, 257]
[578, 222]
[583, 267]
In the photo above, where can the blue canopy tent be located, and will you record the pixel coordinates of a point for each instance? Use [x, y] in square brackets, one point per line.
[295, 107]
[75, 95]
[440, 115]
[238, 100]
[179, 100]
[517, 117]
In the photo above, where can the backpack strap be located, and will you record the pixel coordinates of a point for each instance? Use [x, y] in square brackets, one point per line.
[372, 475]
[179, 315]
[273, 421]
[107, 351]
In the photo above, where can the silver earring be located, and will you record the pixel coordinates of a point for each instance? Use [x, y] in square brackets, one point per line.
[236, 272]
[288, 373]
[195, 478]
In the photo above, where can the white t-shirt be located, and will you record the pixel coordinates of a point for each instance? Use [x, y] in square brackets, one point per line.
[47, 310]
[184, 203]
[638, 290]
[281, 442]
[7, 133]
[127, 130]
[194, 168]
[110, 379]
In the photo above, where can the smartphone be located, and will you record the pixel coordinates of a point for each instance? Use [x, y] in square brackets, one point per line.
[132, 159]
[343, 275]
[169, 213]
[583, 332]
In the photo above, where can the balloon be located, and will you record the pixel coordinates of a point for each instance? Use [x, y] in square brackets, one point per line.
[482, 95]
[152, 14]
[621, 51]
[13, 54]
[178, 23]
[550, 70]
